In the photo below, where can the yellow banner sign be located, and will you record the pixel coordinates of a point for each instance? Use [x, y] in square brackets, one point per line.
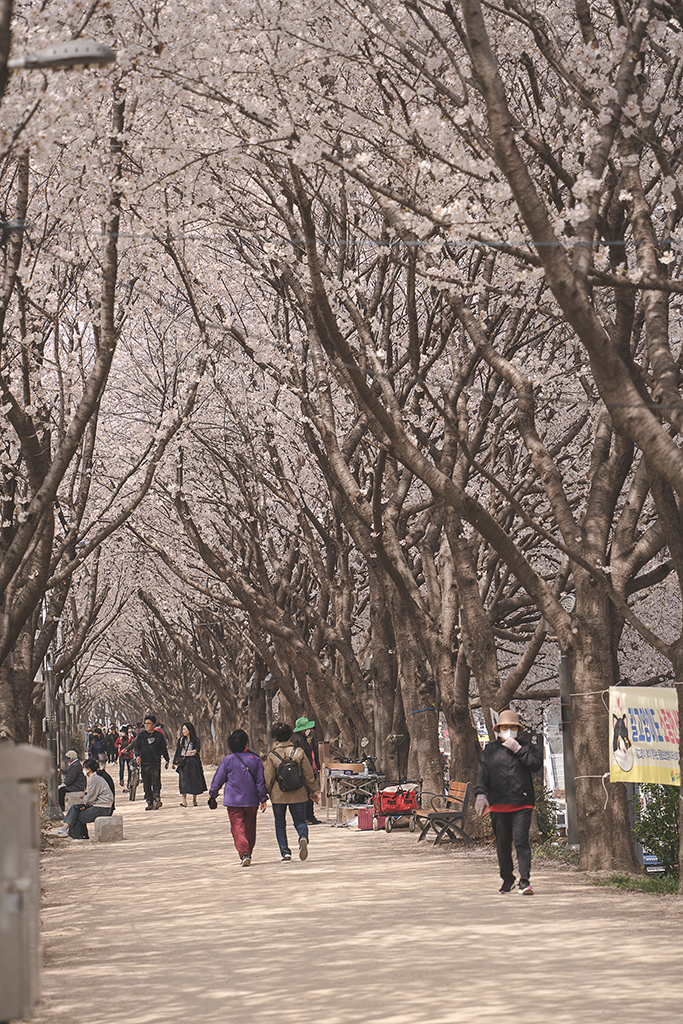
[643, 732]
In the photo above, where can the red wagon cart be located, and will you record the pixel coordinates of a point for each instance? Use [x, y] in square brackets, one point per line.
[397, 804]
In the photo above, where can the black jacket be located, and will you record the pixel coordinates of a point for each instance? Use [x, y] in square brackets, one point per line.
[104, 774]
[504, 777]
[74, 779]
[300, 740]
[151, 746]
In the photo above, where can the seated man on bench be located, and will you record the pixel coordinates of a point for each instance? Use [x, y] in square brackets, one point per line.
[98, 801]
[73, 779]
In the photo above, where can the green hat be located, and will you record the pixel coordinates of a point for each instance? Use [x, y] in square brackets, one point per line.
[302, 724]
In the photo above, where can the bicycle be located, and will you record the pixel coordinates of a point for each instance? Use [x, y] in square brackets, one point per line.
[133, 779]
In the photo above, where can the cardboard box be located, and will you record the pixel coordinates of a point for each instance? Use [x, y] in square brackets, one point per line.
[345, 813]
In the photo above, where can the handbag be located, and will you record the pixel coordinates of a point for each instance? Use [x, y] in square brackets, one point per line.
[183, 759]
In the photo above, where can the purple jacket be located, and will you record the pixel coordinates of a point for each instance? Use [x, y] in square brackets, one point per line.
[242, 776]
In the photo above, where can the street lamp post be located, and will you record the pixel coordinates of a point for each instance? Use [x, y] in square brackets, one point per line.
[23, 812]
[375, 711]
[269, 686]
[74, 53]
[568, 750]
[51, 725]
[568, 602]
[250, 692]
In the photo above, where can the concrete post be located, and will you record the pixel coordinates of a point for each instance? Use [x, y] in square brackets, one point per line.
[20, 768]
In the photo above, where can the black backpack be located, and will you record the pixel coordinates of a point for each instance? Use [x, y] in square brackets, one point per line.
[288, 774]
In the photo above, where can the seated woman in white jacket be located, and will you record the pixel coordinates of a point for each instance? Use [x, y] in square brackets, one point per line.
[98, 801]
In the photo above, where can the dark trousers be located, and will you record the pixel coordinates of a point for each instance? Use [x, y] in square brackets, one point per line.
[77, 819]
[243, 828]
[512, 827]
[122, 765]
[151, 781]
[61, 795]
[298, 812]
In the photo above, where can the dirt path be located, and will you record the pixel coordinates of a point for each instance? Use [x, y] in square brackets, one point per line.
[166, 927]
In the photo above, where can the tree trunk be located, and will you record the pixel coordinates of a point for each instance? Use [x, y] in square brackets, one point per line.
[391, 748]
[419, 704]
[604, 831]
[22, 682]
[465, 746]
[679, 690]
[8, 718]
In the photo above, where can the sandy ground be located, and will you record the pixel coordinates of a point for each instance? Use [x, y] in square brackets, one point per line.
[166, 927]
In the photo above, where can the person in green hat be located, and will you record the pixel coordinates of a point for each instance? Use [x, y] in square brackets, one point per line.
[301, 737]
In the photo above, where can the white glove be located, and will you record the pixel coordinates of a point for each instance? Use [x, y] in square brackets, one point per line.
[512, 745]
[481, 805]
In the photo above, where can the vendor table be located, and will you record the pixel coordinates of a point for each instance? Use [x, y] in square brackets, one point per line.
[357, 788]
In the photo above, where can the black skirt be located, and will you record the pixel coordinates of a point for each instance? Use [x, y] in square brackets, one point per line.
[191, 777]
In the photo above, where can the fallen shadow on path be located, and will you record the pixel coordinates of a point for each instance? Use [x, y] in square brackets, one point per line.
[168, 927]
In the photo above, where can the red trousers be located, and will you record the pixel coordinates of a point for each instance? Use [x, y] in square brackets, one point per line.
[243, 827]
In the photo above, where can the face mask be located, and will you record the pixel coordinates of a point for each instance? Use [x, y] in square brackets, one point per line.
[508, 734]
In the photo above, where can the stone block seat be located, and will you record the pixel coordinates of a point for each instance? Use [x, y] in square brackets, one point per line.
[73, 798]
[108, 829]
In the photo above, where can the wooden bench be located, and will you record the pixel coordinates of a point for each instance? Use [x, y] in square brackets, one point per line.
[447, 820]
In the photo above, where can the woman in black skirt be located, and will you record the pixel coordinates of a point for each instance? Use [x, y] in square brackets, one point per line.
[187, 763]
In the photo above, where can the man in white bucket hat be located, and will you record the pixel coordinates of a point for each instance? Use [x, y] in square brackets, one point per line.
[506, 789]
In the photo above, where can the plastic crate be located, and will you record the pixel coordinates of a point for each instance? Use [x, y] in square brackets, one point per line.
[365, 816]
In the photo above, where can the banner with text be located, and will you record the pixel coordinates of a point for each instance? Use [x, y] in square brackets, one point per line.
[643, 731]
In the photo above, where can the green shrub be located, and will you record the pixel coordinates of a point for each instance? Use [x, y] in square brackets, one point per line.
[556, 851]
[661, 885]
[546, 810]
[657, 826]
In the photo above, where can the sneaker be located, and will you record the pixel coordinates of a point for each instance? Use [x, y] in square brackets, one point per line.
[286, 856]
[246, 860]
[525, 889]
[506, 888]
[156, 805]
[149, 807]
[313, 821]
[303, 848]
[62, 831]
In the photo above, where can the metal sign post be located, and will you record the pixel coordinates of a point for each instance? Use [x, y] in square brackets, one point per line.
[269, 686]
[568, 750]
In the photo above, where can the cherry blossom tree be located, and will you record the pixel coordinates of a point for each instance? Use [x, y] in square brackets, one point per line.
[427, 122]
[80, 294]
[449, 234]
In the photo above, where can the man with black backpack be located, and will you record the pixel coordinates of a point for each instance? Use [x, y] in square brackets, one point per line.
[289, 780]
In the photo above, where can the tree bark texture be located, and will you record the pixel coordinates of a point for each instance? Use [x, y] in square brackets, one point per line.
[604, 827]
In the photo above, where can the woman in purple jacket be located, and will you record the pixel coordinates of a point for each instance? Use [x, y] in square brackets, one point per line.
[241, 772]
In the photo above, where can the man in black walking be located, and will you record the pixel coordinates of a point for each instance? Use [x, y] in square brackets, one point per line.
[149, 747]
[505, 787]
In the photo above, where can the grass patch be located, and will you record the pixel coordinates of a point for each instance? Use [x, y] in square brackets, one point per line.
[661, 885]
[550, 850]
